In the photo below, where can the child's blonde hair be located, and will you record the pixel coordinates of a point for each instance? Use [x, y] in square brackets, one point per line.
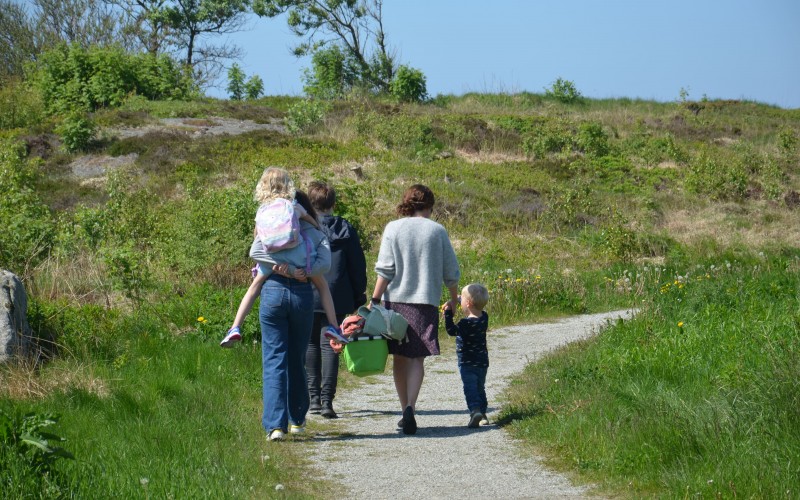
[274, 183]
[477, 294]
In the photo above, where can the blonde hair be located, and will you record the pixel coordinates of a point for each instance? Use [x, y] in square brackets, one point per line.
[477, 294]
[274, 183]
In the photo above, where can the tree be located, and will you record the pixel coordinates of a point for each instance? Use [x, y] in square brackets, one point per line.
[18, 40]
[85, 22]
[357, 25]
[254, 88]
[147, 22]
[191, 20]
[236, 82]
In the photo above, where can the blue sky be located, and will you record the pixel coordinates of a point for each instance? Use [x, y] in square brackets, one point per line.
[649, 49]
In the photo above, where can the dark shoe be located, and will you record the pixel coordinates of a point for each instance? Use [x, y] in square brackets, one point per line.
[315, 407]
[409, 422]
[400, 423]
[327, 410]
[475, 419]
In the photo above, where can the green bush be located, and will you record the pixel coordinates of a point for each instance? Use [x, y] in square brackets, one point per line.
[76, 130]
[20, 106]
[235, 83]
[71, 77]
[305, 116]
[592, 140]
[718, 175]
[563, 91]
[408, 85]
[28, 227]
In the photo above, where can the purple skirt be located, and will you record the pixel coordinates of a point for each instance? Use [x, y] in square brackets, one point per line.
[422, 337]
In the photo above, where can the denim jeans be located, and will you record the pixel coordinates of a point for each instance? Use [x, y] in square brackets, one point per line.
[286, 314]
[322, 364]
[474, 380]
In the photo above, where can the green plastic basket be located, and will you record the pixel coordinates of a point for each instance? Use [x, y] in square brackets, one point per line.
[366, 355]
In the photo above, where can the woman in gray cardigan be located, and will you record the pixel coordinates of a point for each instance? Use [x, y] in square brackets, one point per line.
[415, 259]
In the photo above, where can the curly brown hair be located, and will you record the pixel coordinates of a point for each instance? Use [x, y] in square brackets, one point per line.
[416, 198]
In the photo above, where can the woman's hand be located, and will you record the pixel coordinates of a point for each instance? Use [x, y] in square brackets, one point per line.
[282, 269]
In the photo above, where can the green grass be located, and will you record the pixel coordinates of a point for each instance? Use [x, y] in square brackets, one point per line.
[697, 395]
[558, 208]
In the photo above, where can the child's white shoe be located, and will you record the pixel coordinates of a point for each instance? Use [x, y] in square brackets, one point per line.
[233, 336]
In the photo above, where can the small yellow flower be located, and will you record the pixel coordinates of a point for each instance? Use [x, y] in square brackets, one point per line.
[680, 324]
[201, 319]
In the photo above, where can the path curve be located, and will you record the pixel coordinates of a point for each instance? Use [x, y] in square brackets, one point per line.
[365, 453]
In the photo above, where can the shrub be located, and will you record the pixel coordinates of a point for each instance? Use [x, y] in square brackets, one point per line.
[20, 106]
[408, 85]
[717, 175]
[76, 130]
[563, 91]
[28, 228]
[305, 116]
[592, 140]
[71, 77]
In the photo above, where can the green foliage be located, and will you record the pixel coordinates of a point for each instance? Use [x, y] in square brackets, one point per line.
[76, 130]
[720, 176]
[552, 136]
[254, 87]
[592, 140]
[564, 91]
[71, 77]
[29, 452]
[408, 85]
[304, 116]
[333, 73]
[20, 106]
[28, 232]
[697, 393]
[236, 80]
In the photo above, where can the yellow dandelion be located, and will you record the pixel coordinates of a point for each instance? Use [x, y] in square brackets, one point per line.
[201, 319]
[680, 324]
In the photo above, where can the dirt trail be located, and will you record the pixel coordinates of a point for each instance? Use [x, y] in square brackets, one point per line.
[444, 459]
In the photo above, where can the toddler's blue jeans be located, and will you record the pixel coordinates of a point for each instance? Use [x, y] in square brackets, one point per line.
[474, 380]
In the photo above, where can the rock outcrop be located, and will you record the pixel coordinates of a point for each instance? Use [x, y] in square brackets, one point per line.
[15, 333]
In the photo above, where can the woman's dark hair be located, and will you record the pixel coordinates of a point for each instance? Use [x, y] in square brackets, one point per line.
[305, 202]
[415, 199]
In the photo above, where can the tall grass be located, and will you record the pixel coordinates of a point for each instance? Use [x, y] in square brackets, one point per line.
[697, 395]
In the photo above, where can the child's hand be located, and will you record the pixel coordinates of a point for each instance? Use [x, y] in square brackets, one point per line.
[336, 346]
[282, 269]
[446, 307]
[299, 274]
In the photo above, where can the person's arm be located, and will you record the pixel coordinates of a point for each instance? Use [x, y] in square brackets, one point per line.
[380, 286]
[451, 271]
[325, 297]
[449, 324]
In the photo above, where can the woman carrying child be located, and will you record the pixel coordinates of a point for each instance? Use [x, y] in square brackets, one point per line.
[287, 306]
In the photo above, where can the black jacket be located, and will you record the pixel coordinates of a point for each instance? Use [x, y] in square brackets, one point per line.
[347, 278]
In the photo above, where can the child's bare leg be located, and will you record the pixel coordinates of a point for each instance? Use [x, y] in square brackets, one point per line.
[249, 299]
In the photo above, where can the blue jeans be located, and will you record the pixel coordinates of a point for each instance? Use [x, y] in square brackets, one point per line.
[286, 312]
[474, 380]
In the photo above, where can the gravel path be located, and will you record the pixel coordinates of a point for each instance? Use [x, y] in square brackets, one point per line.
[364, 451]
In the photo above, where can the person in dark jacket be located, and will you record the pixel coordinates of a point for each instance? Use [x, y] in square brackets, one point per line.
[347, 280]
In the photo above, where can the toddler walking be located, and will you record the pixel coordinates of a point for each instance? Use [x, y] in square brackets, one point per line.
[284, 247]
[473, 354]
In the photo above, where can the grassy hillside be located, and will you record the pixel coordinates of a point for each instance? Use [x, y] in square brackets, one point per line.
[135, 258]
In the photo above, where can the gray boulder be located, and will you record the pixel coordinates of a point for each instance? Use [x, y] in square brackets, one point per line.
[15, 334]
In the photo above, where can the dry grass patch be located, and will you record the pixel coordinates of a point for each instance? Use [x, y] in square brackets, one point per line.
[25, 380]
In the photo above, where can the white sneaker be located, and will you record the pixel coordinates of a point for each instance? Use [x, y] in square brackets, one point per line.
[485, 420]
[297, 429]
[275, 435]
[233, 336]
